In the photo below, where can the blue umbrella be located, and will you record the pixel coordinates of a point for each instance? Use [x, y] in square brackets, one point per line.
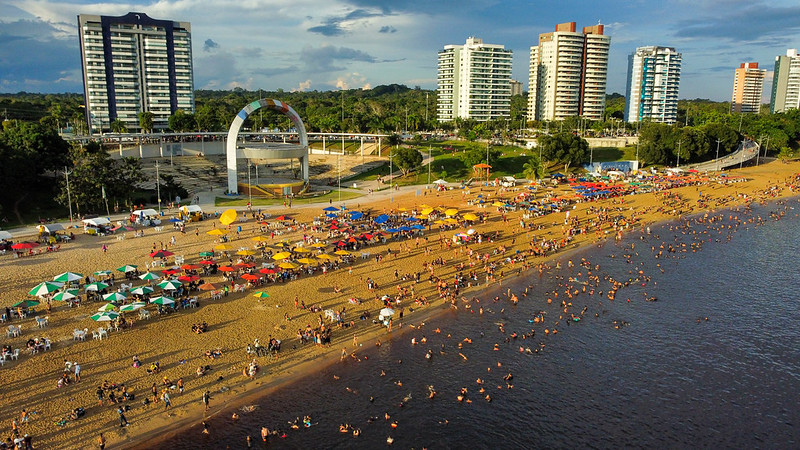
[174, 220]
[412, 219]
[382, 218]
[393, 230]
[417, 226]
[404, 228]
[480, 195]
[330, 216]
[355, 215]
[330, 209]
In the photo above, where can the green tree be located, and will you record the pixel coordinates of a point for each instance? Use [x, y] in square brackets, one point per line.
[146, 121]
[657, 142]
[407, 159]
[727, 136]
[694, 144]
[533, 169]
[477, 155]
[182, 121]
[564, 148]
[118, 126]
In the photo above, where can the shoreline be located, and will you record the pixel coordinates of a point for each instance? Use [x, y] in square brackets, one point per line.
[238, 318]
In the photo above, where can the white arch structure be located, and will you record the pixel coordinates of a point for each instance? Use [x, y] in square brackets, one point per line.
[233, 137]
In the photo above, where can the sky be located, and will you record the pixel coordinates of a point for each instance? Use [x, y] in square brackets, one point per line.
[345, 44]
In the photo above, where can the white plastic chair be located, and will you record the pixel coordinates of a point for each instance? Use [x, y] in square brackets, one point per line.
[15, 355]
[47, 344]
[95, 336]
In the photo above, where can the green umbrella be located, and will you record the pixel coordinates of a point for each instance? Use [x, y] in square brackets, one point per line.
[141, 290]
[127, 268]
[106, 316]
[169, 285]
[115, 297]
[107, 307]
[26, 303]
[103, 273]
[132, 306]
[66, 295]
[163, 300]
[68, 277]
[45, 288]
[261, 294]
[149, 276]
[206, 254]
[96, 286]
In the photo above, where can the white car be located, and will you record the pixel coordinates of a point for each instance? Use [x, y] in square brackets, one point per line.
[508, 182]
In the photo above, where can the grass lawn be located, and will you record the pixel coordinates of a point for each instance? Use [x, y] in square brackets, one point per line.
[325, 198]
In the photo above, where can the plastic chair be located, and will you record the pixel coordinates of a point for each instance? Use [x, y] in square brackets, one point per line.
[15, 355]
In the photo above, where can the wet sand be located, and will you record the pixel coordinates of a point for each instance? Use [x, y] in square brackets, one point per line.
[235, 320]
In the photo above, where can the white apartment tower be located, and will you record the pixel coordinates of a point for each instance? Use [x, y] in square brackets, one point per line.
[474, 81]
[748, 84]
[132, 64]
[786, 83]
[654, 76]
[568, 71]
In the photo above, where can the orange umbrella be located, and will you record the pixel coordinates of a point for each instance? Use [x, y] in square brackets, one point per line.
[226, 269]
[250, 277]
[190, 267]
[208, 287]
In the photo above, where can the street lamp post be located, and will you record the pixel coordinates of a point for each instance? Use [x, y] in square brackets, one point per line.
[717, 158]
[249, 185]
[741, 158]
[158, 189]
[758, 152]
[69, 198]
[430, 161]
[679, 154]
[339, 175]
[637, 154]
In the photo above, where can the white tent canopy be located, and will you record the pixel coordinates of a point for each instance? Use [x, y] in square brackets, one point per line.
[192, 208]
[97, 221]
[50, 227]
[146, 212]
[440, 181]
[5, 234]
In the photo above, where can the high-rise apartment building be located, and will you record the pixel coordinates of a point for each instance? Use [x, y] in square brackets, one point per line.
[654, 77]
[568, 71]
[132, 64]
[748, 84]
[786, 83]
[516, 87]
[474, 81]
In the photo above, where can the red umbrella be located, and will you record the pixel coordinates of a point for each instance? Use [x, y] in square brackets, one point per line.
[267, 270]
[208, 262]
[188, 278]
[250, 277]
[226, 269]
[190, 267]
[246, 265]
[169, 272]
[24, 245]
[283, 217]
[161, 254]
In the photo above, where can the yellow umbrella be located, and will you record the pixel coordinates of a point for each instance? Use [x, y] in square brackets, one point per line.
[227, 217]
[451, 212]
[282, 244]
[246, 252]
[306, 261]
[223, 247]
[324, 256]
[470, 216]
[427, 211]
[341, 252]
[288, 265]
[450, 220]
[438, 222]
[402, 209]
[498, 204]
[217, 232]
[301, 250]
[260, 239]
[318, 245]
[423, 217]
[424, 205]
[281, 255]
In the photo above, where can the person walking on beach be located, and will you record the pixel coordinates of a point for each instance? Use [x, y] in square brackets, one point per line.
[165, 397]
[77, 368]
[180, 385]
[123, 422]
[206, 397]
[101, 441]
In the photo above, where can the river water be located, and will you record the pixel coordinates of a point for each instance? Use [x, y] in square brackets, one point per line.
[643, 374]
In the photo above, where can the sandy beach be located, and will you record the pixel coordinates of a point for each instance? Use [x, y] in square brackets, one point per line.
[235, 320]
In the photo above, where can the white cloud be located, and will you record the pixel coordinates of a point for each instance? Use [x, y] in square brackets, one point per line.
[303, 86]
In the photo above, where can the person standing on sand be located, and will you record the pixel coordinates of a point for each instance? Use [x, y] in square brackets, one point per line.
[101, 441]
[165, 397]
[206, 397]
[123, 422]
[77, 368]
[180, 385]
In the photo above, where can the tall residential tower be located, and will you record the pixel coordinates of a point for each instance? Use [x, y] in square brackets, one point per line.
[568, 72]
[748, 84]
[654, 77]
[133, 64]
[474, 81]
[786, 83]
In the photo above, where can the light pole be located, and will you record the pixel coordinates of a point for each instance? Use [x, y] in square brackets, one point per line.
[430, 161]
[741, 158]
[249, 185]
[679, 154]
[69, 198]
[758, 153]
[339, 175]
[158, 189]
[717, 158]
[637, 154]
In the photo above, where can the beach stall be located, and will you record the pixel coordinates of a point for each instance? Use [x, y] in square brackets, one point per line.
[97, 226]
[190, 213]
[147, 217]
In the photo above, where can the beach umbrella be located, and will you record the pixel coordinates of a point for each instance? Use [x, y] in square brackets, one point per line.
[450, 212]
[355, 215]
[45, 288]
[66, 295]
[301, 250]
[190, 267]
[324, 256]
[106, 316]
[331, 215]
[267, 270]
[283, 217]
[306, 261]
[161, 254]
[318, 245]
[417, 226]
[188, 278]
[245, 264]
[115, 297]
[163, 300]
[250, 277]
[96, 286]
[26, 303]
[261, 294]
[498, 204]
[381, 219]
[216, 232]
[226, 269]
[245, 252]
[142, 290]
[386, 312]
[169, 285]
[206, 254]
[227, 217]
[331, 209]
[288, 265]
[450, 220]
[341, 252]
[102, 273]
[223, 247]
[149, 276]
[260, 238]
[107, 307]
[281, 255]
[68, 277]
[208, 262]
[127, 268]
[208, 287]
[132, 306]
[393, 230]
[24, 245]
[470, 216]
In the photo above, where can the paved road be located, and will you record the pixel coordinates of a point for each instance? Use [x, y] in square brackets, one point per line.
[746, 151]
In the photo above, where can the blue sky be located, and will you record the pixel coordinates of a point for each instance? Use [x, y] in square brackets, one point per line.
[330, 44]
